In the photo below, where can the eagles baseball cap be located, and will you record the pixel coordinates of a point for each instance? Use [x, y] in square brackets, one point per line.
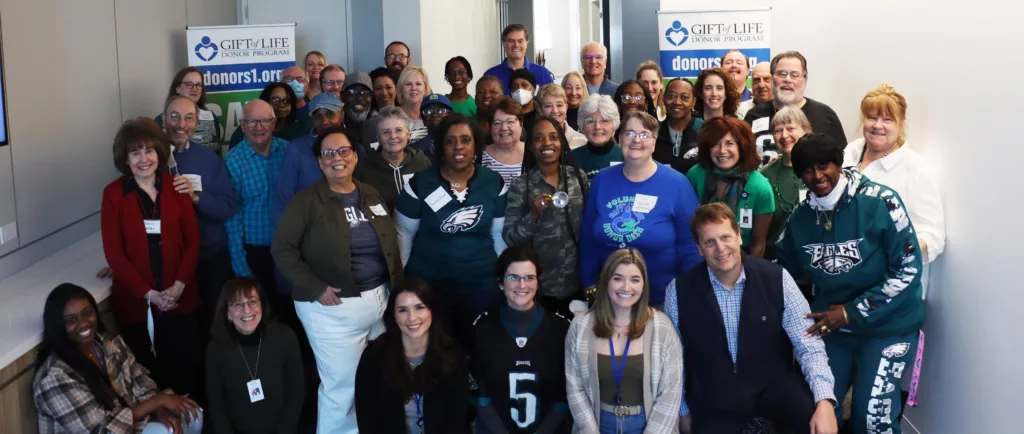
[436, 98]
[325, 100]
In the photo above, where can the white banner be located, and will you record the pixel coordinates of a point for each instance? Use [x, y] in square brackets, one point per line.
[691, 41]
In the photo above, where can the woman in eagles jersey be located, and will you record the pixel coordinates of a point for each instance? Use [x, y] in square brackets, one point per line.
[855, 241]
[450, 219]
[518, 362]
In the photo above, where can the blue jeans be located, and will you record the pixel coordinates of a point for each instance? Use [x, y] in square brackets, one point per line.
[612, 424]
[195, 427]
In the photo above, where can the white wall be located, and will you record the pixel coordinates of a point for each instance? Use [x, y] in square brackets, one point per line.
[959, 67]
[321, 25]
[475, 36]
[557, 29]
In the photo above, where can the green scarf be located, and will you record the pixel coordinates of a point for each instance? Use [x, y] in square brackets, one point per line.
[737, 181]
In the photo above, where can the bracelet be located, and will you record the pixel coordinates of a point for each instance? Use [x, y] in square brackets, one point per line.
[845, 317]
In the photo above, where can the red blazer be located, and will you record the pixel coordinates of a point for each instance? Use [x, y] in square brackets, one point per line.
[127, 250]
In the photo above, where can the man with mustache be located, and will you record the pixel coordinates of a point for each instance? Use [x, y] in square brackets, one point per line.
[355, 98]
[789, 80]
[201, 174]
[396, 57]
[514, 39]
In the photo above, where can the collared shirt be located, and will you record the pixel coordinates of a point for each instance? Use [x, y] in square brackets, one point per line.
[65, 403]
[809, 351]
[253, 177]
[504, 73]
[911, 176]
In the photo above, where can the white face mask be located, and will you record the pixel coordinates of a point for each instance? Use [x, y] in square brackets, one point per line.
[522, 96]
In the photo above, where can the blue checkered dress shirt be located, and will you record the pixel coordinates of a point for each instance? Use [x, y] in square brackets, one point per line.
[253, 177]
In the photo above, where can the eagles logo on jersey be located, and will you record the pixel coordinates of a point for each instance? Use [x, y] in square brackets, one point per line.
[462, 219]
[835, 258]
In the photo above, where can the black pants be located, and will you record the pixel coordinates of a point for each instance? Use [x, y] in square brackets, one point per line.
[212, 271]
[177, 343]
[283, 307]
[787, 402]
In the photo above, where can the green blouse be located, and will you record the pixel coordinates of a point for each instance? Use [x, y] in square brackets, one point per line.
[757, 197]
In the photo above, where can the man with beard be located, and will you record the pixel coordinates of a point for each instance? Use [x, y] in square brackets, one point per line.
[355, 99]
[789, 80]
[434, 108]
[299, 168]
[396, 57]
[201, 174]
[761, 91]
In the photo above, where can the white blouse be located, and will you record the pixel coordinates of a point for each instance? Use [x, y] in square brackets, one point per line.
[911, 176]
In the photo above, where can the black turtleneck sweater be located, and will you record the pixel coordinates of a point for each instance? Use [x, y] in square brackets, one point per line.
[279, 372]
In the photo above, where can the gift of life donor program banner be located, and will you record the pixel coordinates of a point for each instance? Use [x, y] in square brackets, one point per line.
[691, 41]
[237, 63]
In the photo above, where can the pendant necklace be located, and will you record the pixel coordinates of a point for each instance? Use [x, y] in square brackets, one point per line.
[828, 222]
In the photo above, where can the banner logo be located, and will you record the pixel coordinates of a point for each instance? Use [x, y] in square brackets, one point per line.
[206, 50]
[835, 258]
[677, 34]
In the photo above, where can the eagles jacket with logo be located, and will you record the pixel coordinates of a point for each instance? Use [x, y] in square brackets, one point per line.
[456, 242]
[869, 261]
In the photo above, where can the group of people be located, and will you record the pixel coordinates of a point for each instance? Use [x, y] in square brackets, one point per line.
[536, 258]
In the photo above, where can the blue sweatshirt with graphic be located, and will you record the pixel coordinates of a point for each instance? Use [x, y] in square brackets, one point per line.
[869, 261]
[652, 216]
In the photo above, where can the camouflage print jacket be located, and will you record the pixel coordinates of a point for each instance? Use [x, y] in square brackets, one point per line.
[554, 235]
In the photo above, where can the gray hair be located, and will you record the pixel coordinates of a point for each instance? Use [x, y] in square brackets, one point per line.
[602, 104]
[604, 50]
[177, 97]
[392, 112]
[791, 115]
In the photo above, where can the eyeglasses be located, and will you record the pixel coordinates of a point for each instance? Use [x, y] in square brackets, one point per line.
[358, 93]
[627, 98]
[510, 122]
[251, 123]
[344, 151]
[333, 82]
[253, 303]
[299, 79]
[631, 135]
[436, 111]
[279, 101]
[178, 118]
[593, 57]
[791, 74]
[396, 56]
[515, 278]
[192, 85]
[592, 121]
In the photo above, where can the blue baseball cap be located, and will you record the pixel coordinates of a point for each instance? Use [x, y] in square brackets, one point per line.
[436, 98]
[325, 100]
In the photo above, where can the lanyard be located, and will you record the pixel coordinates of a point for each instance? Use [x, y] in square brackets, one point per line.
[99, 355]
[259, 348]
[419, 410]
[618, 369]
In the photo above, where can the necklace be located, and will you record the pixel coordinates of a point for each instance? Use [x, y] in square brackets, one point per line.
[821, 213]
[786, 204]
[892, 148]
[252, 373]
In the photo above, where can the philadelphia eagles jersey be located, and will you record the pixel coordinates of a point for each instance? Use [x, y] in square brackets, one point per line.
[521, 375]
[454, 241]
[822, 118]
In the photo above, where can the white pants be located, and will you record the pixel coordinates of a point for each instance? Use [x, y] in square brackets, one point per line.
[338, 335]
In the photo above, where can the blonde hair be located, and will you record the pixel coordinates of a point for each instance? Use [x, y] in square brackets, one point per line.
[583, 83]
[886, 101]
[603, 314]
[791, 115]
[314, 53]
[404, 77]
[649, 65]
[551, 89]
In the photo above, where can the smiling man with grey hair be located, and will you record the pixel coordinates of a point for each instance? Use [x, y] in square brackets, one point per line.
[594, 58]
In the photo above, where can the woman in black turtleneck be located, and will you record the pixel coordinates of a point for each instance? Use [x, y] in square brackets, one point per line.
[598, 119]
[518, 360]
[253, 368]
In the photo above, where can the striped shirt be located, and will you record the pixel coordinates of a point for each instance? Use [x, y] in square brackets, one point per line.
[508, 172]
[809, 351]
[252, 176]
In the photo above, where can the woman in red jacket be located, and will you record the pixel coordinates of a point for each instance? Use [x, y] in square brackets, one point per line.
[151, 242]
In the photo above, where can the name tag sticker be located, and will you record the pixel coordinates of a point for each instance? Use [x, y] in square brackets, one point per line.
[644, 203]
[255, 390]
[405, 178]
[152, 226]
[196, 180]
[205, 115]
[615, 163]
[438, 199]
[746, 218]
[760, 124]
[378, 210]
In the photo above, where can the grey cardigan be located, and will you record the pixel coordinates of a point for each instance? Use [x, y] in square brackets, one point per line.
[663, 375]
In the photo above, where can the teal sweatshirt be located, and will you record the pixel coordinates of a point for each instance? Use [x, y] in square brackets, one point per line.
[869, 261]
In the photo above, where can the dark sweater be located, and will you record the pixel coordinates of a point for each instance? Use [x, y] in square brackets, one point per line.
[380, 409]
[217, 199]
[279, 372]
[374, 170]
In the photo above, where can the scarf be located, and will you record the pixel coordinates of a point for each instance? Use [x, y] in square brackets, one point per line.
[829, 202]
[737, 181]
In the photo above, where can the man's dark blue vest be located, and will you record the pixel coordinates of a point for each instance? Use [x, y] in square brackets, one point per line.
[714, 384]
